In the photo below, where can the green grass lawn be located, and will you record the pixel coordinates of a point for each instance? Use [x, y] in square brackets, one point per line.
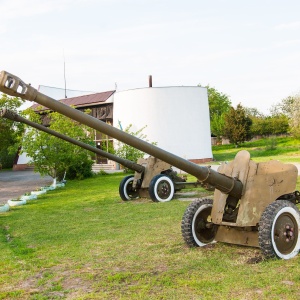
[84, 242]
[283, 149]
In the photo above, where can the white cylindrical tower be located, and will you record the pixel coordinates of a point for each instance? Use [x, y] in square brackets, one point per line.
[177, 118]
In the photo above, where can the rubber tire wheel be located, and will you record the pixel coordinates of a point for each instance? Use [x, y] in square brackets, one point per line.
[125, 189]
[16, 202]
[4, 208]
[161, 188]
[273, 231]
[196, 216]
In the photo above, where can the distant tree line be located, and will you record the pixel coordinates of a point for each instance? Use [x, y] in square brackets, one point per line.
[240, 124]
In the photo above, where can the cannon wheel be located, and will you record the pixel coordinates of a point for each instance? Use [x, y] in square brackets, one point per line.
[196, 226]
[161, 188]
[125, 189]
[278, 230]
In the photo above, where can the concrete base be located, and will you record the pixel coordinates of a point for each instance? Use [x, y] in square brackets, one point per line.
[200, 160]
[20, 167]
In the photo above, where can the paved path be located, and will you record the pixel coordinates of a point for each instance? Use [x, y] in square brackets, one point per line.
[14, 184]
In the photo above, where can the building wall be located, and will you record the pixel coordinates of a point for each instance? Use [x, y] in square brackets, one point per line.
[177, 118]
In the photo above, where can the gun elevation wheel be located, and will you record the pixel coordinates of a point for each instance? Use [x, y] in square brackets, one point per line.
[196, 226]
[161, 188]
[278, 232]
[126, 191]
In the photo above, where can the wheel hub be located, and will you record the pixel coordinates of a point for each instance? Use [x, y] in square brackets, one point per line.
[204, 228]
[285, 233]
[164, 190]
[289, 233]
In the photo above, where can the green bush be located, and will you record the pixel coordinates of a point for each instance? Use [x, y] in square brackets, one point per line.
[271, 144]
[6, 159]
[80, 170]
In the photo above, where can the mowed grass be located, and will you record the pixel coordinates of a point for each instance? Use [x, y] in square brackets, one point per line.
[285, 149]
[84, 242]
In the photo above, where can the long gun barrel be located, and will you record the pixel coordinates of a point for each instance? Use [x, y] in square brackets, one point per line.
[14, 86]
[5, 113]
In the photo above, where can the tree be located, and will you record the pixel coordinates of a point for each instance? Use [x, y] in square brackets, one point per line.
[219, 105]
[294, 120]
[253, 112]
[9, 131]
[284, 107]
[53, 156]
[288, 108]
[237, 125]
[217, 124]
[279, 124]
[128, 152]
[267, 125]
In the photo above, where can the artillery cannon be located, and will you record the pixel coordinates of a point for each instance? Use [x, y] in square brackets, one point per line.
[146, 170]
[254, 203]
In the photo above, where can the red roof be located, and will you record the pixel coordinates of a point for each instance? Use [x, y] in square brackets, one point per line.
[82, 101]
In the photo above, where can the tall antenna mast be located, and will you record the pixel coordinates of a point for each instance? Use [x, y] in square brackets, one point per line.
[65, 76]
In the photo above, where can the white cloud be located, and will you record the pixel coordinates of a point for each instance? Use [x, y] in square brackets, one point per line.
[19, 8]
[288, 43]
[123, 41]
[14, 11]
[2, 29]
[291, 25]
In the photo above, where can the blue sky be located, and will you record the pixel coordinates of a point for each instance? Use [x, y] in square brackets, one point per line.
[249, 50]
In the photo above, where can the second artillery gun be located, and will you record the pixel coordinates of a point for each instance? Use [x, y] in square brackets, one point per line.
[254, 203]
[153, 178]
